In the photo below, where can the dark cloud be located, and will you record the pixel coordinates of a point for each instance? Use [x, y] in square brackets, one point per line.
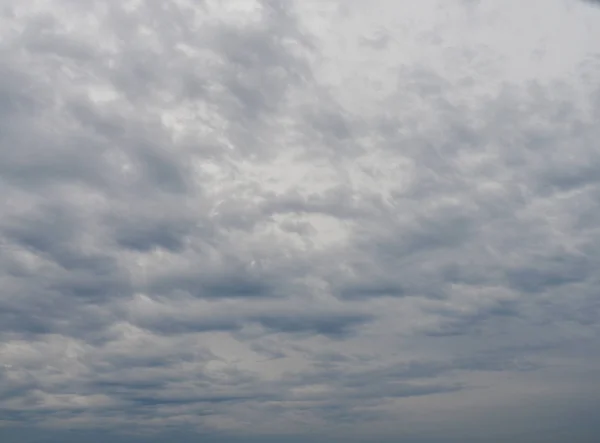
[375, 289]
[337, 325]
[550, 271]
[231, 285]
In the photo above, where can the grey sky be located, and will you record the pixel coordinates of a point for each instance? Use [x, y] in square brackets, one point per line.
[299, 221]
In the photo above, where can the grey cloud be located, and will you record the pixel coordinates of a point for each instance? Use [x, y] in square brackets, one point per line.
[550, 271]
[161, 171]
[456, 323]
[337, 325]
[143, 235]
[174, 326]
[231, 285]
[372, 290]
[409, 376]
[267, 351]
[218, 222]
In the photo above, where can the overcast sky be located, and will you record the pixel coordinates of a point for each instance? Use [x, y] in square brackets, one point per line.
[293, 221]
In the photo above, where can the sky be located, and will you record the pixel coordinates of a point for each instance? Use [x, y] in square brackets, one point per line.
[291, 221]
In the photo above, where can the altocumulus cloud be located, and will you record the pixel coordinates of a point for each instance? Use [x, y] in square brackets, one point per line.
[287, 220]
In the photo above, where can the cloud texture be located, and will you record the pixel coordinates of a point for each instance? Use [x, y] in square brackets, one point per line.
[325, 220]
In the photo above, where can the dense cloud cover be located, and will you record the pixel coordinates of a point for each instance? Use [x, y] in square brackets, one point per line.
[299, 221]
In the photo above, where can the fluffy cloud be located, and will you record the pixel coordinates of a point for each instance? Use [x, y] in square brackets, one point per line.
[255, 220]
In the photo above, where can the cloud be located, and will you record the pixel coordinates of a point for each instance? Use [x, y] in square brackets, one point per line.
[288, 220]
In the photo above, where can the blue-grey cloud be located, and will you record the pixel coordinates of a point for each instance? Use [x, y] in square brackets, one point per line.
[299, 220]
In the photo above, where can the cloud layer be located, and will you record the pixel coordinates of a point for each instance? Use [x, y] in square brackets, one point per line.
[259, 220]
